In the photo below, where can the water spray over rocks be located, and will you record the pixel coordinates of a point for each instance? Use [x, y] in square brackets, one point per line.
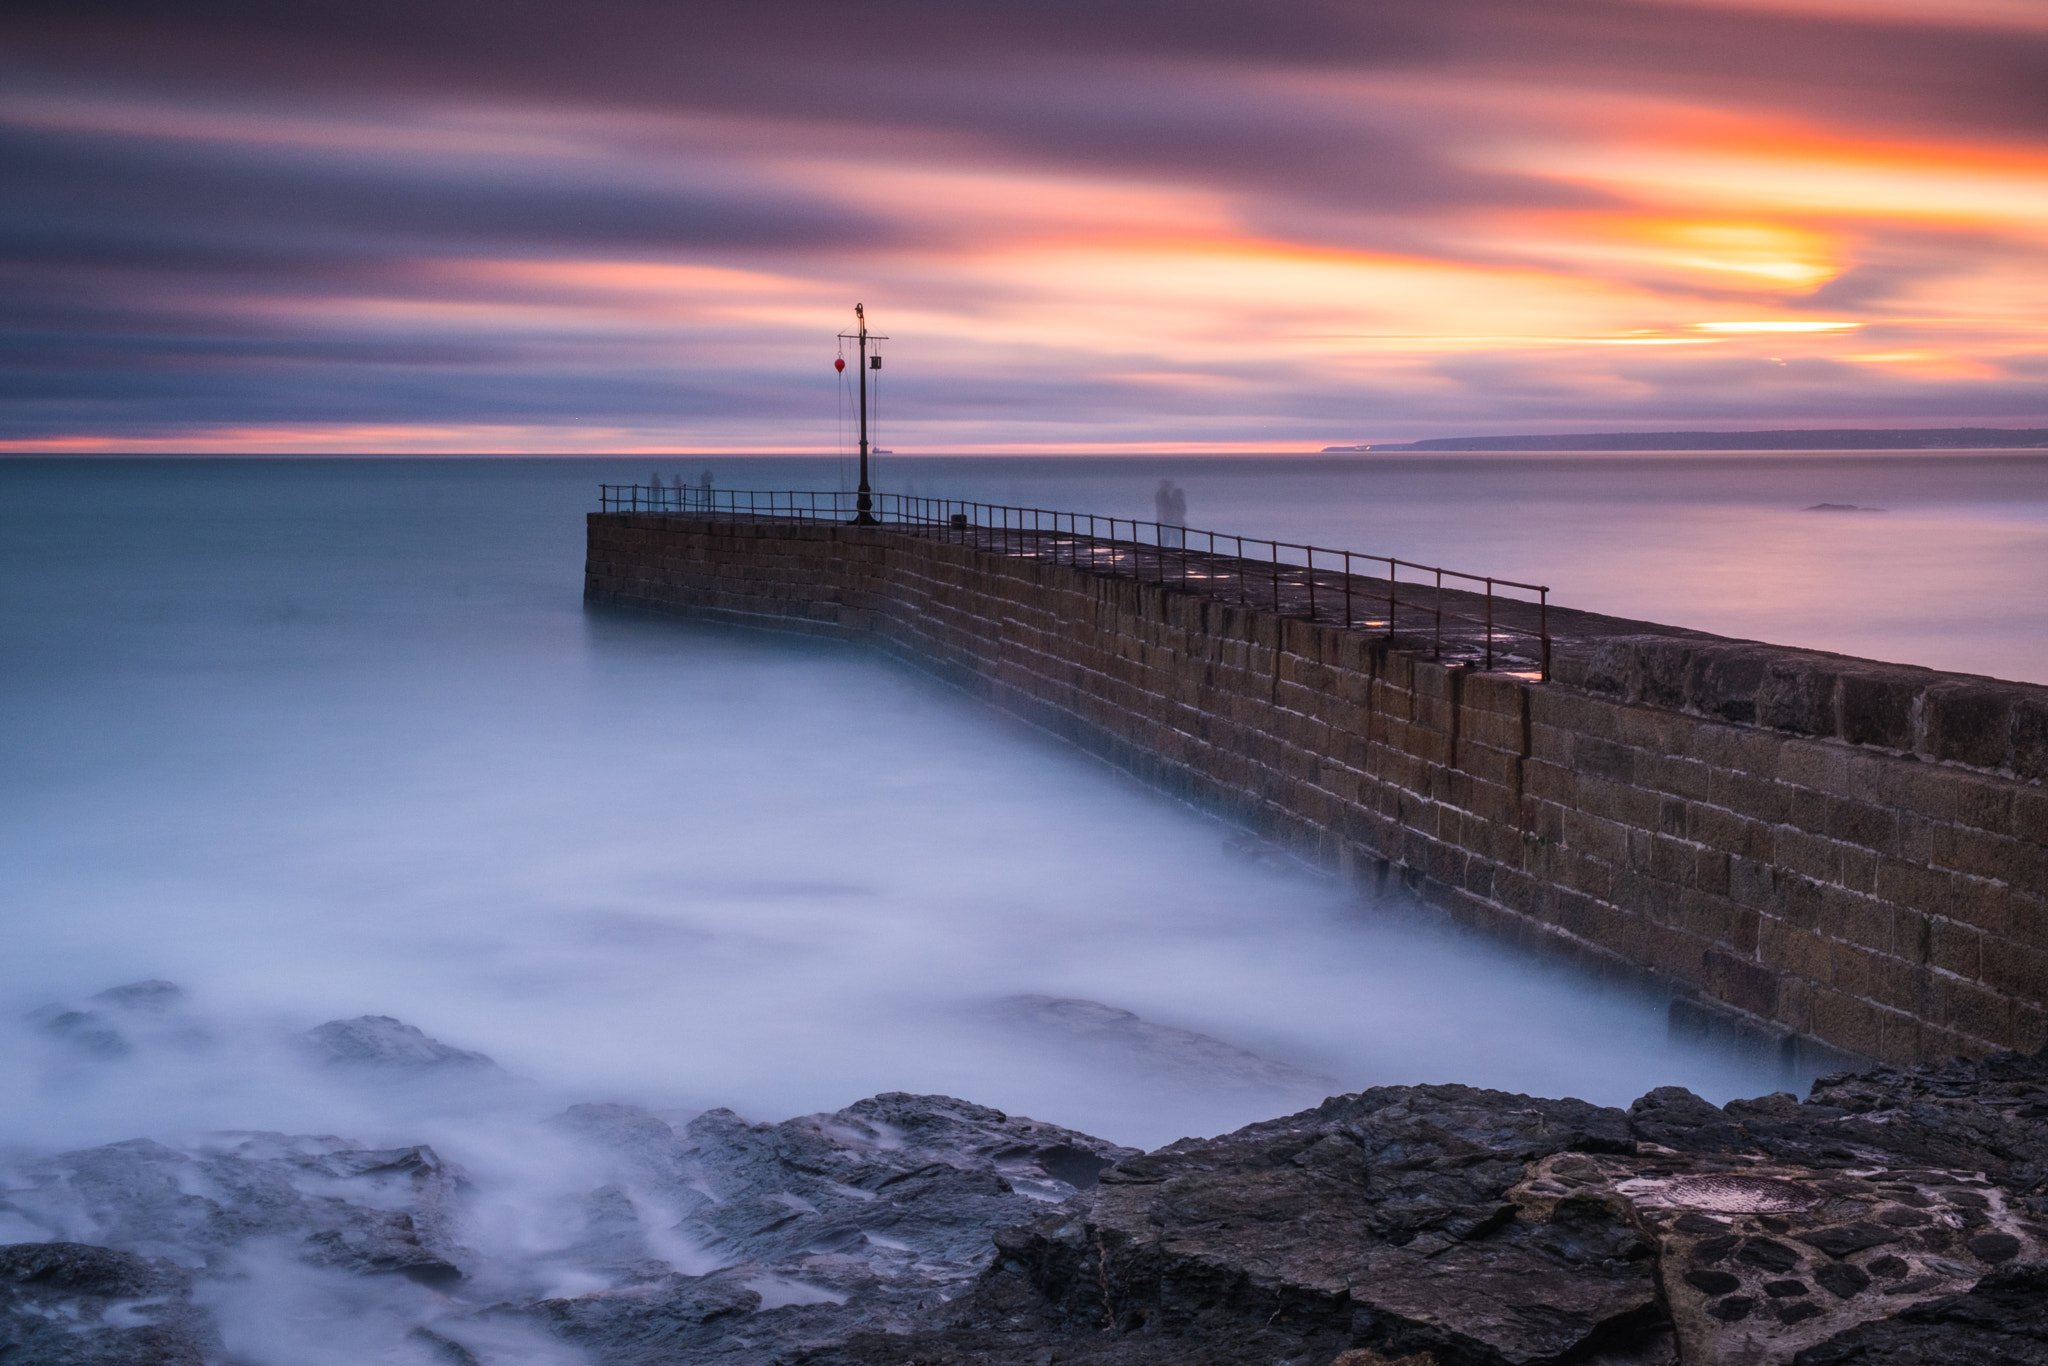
[1892, 1216]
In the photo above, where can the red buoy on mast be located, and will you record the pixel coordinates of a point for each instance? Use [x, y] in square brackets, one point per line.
[839, 364]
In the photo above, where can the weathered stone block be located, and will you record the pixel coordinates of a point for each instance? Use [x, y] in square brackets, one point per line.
[2028, 819]
[1856, 919]
[1968, 723]
[1711, 872]
[1870, 827]
[1877, 706]
[1760, 799]
[1905, 1041]
[1856, 868]
[1988, 906]
[1973, 1009]
[1956, 948]
[1550, 782]
[1902, 985]
[1670, 860]
[1742, 982]
[1847, 1021]
[1797, 695]
[1602, 758]
[2030, 738]
[1812, 856]
[1799, 951]
[1491, 729]
[1678, 777]
[1736, 749]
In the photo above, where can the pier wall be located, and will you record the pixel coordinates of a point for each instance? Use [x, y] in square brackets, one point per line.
[1827, 849]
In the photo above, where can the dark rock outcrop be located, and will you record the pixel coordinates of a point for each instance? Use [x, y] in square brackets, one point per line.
[331, 1203]
[873, 1217]
[101, 1026]
[381, 1044]
[69, 1304]
[1896, 1217]
[1107, 1036]
[1893, 1217]
[2001, 1321]
[1389, 1214]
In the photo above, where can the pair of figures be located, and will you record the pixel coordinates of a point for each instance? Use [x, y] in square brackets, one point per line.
[688, 495]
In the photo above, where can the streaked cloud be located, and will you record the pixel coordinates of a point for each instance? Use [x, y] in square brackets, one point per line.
[1122, 225]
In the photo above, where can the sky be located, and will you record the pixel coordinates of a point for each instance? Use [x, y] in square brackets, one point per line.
[448, 226]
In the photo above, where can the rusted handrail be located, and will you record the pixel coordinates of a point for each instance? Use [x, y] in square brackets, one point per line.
[1284, 575]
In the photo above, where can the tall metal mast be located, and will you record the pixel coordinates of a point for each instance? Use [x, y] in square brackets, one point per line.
[863, 502]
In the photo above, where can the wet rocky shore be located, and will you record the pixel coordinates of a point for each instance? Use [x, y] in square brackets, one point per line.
[1890, 1217]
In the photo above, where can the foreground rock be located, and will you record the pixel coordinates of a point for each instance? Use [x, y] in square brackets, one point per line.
[711, 1240]
[68, 1304]
[376, 1044]
[1894, 1217]
[106, 1024]
[877, 1215]
[1113, 1039]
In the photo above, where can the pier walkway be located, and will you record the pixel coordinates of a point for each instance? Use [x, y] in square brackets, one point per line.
[1449, 615]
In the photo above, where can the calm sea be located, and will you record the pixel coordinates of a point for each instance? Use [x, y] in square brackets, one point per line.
[330, 738]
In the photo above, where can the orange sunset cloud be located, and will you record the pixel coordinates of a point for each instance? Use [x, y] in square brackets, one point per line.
[1410, 221]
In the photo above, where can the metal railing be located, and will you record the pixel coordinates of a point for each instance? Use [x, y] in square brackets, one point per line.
[1498, 621]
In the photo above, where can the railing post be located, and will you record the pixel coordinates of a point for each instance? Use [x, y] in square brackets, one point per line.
[1311, 581]
[1393, 567]
[1489, 624]
[1439, 614]
[1543, 628]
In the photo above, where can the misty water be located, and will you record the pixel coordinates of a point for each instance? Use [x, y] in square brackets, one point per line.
[324, 739]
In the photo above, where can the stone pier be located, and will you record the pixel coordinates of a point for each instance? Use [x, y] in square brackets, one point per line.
[1823, 849]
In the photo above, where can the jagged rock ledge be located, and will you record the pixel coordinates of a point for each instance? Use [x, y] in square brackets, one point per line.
[1893, 1217]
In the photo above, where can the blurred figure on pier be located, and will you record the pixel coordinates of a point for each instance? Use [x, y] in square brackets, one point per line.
[1171, 501]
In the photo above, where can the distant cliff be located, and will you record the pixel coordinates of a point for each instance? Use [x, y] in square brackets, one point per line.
[1819, 439]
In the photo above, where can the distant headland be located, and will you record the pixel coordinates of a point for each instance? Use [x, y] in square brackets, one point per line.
[1811, 439]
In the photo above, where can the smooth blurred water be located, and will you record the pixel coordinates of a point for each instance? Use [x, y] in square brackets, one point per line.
[326, 738]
